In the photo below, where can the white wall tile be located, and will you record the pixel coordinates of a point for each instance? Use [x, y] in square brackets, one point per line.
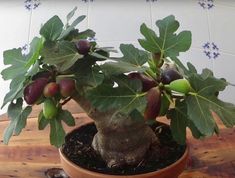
[197, 58]
[224, 68]
[228, 3]
[118, 20]
[222, 26]
[14, 23]
[228, 95]
[190, 15]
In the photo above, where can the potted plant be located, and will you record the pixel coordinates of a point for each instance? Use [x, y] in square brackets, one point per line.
[122, 95]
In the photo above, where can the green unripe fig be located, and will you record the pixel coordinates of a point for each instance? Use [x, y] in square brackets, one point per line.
[181, 86]
[49, 109]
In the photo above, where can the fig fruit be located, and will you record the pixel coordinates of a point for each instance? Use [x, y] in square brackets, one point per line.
[147, 83]
[169, 75]
[34, 90]
[67, 87]
[83, 47]
[43, 74]
[49, 109]
[51, 89]
[181, 86]
[153, 103]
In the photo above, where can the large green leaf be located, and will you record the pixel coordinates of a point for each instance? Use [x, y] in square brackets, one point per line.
[52, 29]
[168, 43]
[203, 101]
[17, 117]
[57, 133]
[89, 76]
[62, 54]
[17, 63]
[179, 121]
[42, 121]
[132, 60]
[22, 120]
[71, 14]
[16, 90]
[67, 117]
[125, 97]
[35, 49]
[71, 27]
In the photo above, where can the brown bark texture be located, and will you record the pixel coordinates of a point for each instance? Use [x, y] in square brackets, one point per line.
[120, 140]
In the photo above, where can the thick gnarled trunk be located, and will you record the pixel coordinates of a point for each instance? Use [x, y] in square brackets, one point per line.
[120, 140]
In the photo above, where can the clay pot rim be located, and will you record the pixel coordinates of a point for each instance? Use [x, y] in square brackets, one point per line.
[166, 169]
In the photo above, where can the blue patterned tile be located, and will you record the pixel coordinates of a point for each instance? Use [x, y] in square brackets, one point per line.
[206, 4]
[25, 49]
[86, 1]
[92, 39]
[151, 0]
[32, 4]
[211, 50]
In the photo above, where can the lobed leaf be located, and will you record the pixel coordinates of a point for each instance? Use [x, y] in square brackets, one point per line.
[132, 60]
[52, 29]
[168, 43]
[57, 133]
[124, 98]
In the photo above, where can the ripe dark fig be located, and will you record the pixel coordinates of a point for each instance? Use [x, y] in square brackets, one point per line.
[169, 75]
[49, 109]
[147, 83]
[34, 90]
[44, 74]
[153, 103]
[83, 47]
[67, 87]
[51, 89]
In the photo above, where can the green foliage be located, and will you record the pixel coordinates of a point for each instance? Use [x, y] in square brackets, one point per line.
[42, 121]
[35, 49]
[179, 122]
[201, 103]
[62, 54]
[89, 77]
[107, 86]
[67, 117]
[125, 97]
[167, 43]
[18, 117]
[17, 63]
[132, 60]
[52, 29]
[57, 133]
[16, 90]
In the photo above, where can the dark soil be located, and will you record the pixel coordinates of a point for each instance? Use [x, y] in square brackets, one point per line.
[77, 148]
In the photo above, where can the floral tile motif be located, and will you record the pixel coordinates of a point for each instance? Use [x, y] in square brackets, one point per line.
[206, 4]
[211, 50]
[91, 39]
[151, 0]
[87, 1]
[25, 49]
[32, 4]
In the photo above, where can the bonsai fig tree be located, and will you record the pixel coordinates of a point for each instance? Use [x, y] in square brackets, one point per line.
[121, 94]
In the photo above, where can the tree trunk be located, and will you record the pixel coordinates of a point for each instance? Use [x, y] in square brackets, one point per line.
[120, 140]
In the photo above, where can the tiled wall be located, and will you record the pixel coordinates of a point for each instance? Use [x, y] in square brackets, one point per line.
[117, 21]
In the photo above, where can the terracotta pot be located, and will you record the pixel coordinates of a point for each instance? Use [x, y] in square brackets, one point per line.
[172, 171]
